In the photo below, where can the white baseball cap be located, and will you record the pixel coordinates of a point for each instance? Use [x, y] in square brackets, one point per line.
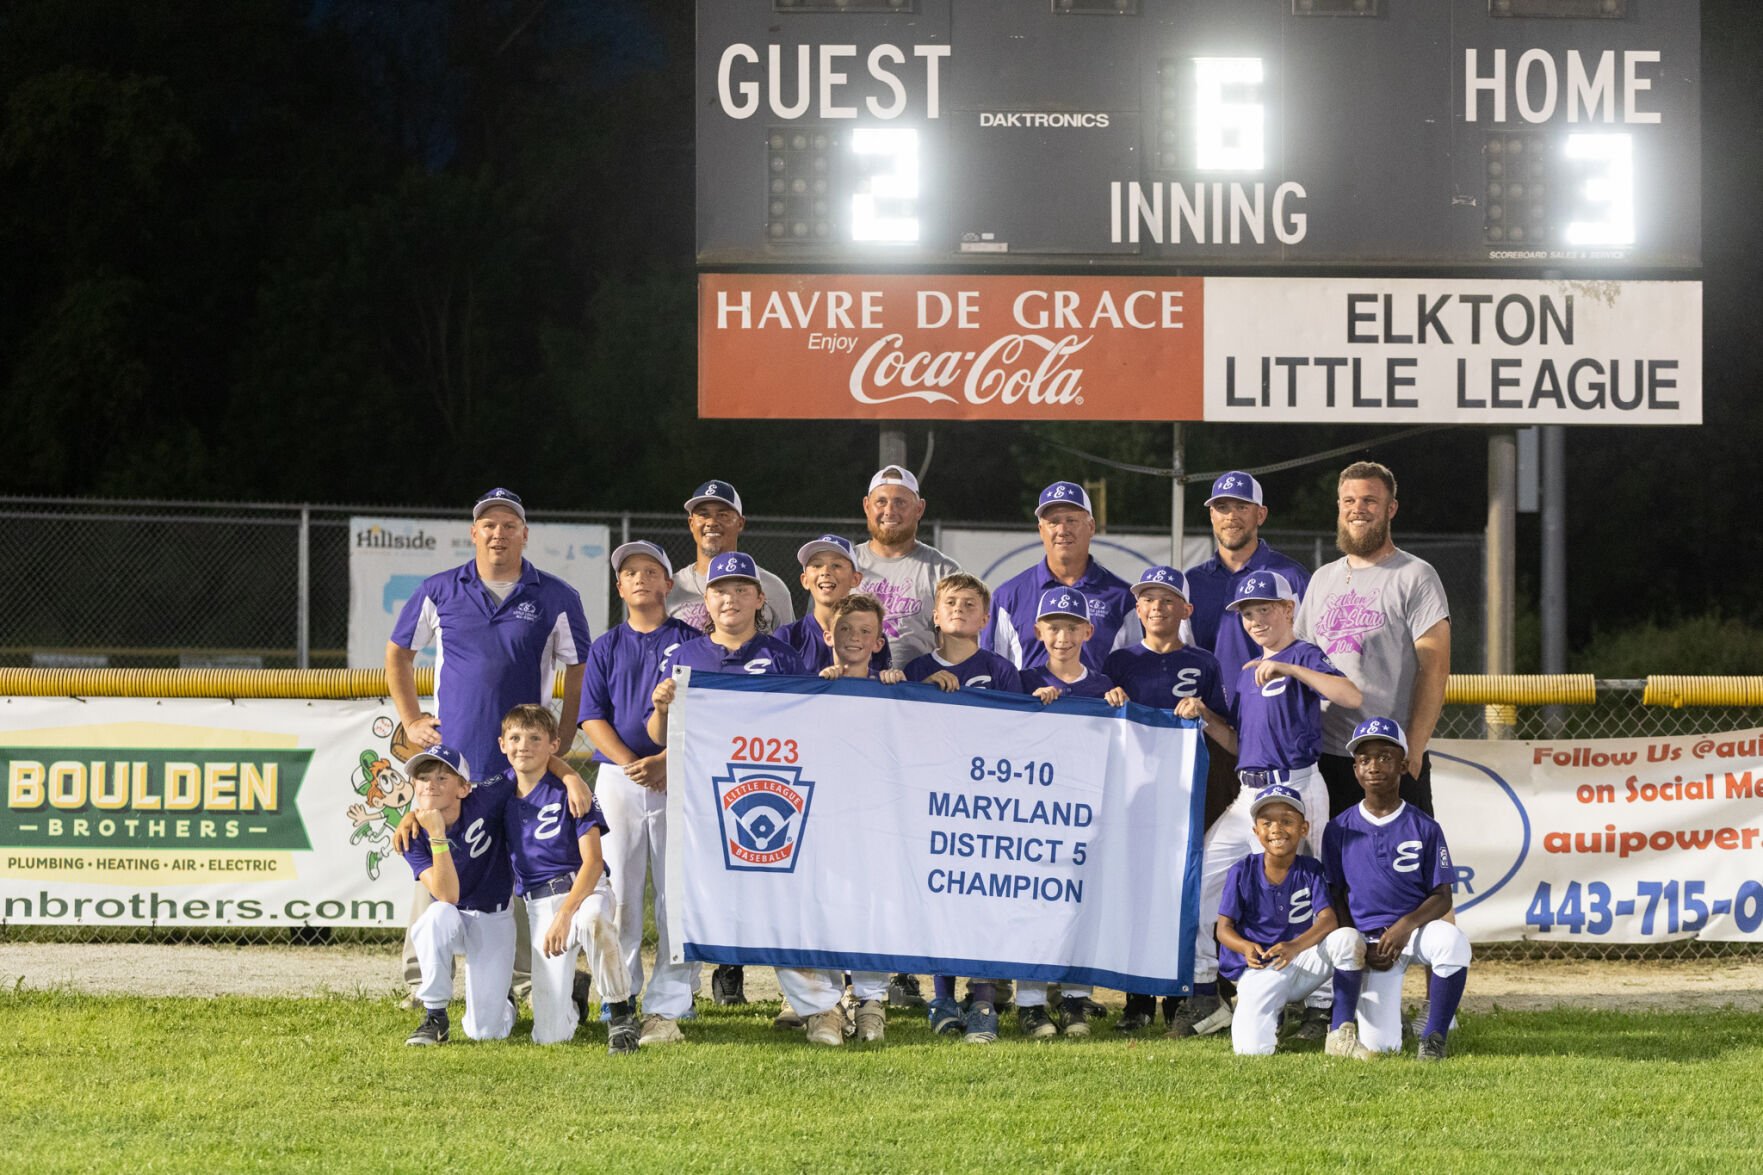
[893, 475]
[641, 547]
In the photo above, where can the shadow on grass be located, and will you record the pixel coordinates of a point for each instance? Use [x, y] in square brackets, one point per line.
[1679, 1037]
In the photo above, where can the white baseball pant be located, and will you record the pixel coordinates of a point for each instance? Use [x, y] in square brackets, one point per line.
[869, 985]
[1032, 993]
[636, 850]
[593, 930]
[487, 942]
[1261, 994]
[811, 992]
[1439, 945]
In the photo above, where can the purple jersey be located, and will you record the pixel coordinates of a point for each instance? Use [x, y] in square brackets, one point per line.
[544, 840]
[763, 654]
[1093, 684]
[983, 670]
[1265, 913]
[1160, 680]
[1279, 725]
[809, 640]
[476, 842]
[1212, 585]
[1011, 630]
[1387, 867]
[491, 657]
[623, 667]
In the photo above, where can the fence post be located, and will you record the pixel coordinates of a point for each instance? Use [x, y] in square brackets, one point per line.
[303, 585]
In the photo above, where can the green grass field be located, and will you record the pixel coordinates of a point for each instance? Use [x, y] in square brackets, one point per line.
[109, 1083]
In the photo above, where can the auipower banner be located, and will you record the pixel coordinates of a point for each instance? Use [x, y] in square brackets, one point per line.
[197, 812]
[856, 825]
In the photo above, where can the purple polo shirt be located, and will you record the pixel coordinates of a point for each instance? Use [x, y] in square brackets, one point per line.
[623, 667]
[809, 640]
[491, 657]
[1279, 725]
[1160, 680]
[763, 654]
[1011, 630]
[1265, 913]
[1387, 868]
[983, 670]
[1212, 585]
[544, 840]
[477, 841]
[1093, 684]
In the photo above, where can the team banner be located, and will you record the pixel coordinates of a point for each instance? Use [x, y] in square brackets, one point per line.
[901, 829]
[202, 812]
[1605, 840]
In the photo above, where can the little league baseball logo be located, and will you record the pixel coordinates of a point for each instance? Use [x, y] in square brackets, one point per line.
[764, 810]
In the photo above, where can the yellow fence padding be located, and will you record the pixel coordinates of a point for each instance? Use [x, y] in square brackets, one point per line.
[203, 683]
[1521, 689]
[1678, 692]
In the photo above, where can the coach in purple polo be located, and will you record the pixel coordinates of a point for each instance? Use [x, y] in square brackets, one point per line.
[1237, 510]
[1067, 525]
[500, 628]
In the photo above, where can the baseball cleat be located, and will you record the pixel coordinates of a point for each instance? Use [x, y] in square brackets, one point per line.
[1344, 1042]
[982, 1024]
[1432, 1047]
[1201, 1015]
[1034, 1023]
[871, 1020]
[432, 1030]
[904, 992]
[788, 1018]
[827, 1028]
[945, 1017]
[622, 1034]
[1075, 1012]
[728, 986]
[1314, 1026]
[660, 1030]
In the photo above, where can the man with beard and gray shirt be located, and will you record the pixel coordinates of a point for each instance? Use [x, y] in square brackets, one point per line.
[897, 569]
[1380, 615]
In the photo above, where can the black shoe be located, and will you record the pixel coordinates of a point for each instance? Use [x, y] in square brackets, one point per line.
[728, 986]
[1171, 1004]
[432, 1030]
[904, 992]
[1075, 1011]
[622, 1031]
[1134, 1021]
[1432, 1047]
[1034, 1023]
[1314, 1025]
[1094, 1010]
[578, 994]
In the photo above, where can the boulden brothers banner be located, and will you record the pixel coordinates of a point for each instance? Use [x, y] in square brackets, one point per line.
[898, 828]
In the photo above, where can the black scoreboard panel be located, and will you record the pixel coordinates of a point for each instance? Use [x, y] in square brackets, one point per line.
[1482, 134]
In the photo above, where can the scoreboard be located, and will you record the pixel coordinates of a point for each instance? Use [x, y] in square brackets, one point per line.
[1360, 136]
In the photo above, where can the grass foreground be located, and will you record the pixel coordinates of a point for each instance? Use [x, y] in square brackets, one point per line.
[98, 1083]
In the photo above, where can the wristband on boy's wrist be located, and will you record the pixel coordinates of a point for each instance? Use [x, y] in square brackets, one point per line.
[440, 844]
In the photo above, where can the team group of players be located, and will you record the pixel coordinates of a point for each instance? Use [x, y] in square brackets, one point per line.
[1320, 880]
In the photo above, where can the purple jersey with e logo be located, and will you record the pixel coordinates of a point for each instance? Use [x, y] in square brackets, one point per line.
[1279, 725]
[1091, 685]
[1265, 913]
[480, 854]
[984, 670]
[1387, 866]
[761, 655]
[623, 666]
[1160, 680]
[544, 840]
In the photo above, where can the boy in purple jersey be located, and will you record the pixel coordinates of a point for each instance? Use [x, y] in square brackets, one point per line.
[1390, 871]
[1278, 936]
[632, 782]
[735, 645]
[471, 888]
[559, 871]
[1160, 671]
[957, 663]
[829, 573]
[1275, 729]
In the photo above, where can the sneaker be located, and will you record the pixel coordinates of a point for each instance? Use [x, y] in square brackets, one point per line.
[1314, 1025]
[1432, 1047]
[1201, 1015]
[1416, 1025]
[1035, 1024]
[982, 1024]
[904, 992]
[1075, 1011]
[1344, 1042]
[623, 1036]
[432, 1030]
[1094, 1010]
[872, 1020]
[659, 1029]
[945, 1017]
[827, 1027]
[728, 986]
[788, 1018]
[848, 1009]
[1134, 1021]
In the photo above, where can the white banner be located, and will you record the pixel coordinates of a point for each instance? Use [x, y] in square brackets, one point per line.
[390, 557]
[855, 825]
[1415, 351]
[996, 555]
[1605, 840]
[198, 812]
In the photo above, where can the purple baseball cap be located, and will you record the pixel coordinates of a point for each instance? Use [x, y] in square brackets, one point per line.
[498, 497]
[826, 542]
[446, 756]
[1373, 729]
[1259, 586]
[1236, 484]
[1163, 576]
[715, 491]
[1063, 601]
[1063, 493]
[1276, 793]
[732, 565]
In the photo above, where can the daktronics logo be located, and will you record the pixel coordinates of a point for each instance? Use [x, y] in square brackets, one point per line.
[1013, 368]
[1036, 120]
[379, 538]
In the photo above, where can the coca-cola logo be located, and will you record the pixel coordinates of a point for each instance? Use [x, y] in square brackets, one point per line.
[1013, 368]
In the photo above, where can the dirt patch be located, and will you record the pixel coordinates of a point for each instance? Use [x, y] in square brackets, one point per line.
[150, 970]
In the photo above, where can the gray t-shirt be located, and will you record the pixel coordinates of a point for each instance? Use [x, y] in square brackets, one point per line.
[907, 588]
[1366, 620]
[686, 600]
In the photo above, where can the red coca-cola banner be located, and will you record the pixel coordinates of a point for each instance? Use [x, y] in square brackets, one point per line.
[916, 347]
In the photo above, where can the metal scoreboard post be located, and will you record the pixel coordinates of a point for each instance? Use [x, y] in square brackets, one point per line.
[1363, 136]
